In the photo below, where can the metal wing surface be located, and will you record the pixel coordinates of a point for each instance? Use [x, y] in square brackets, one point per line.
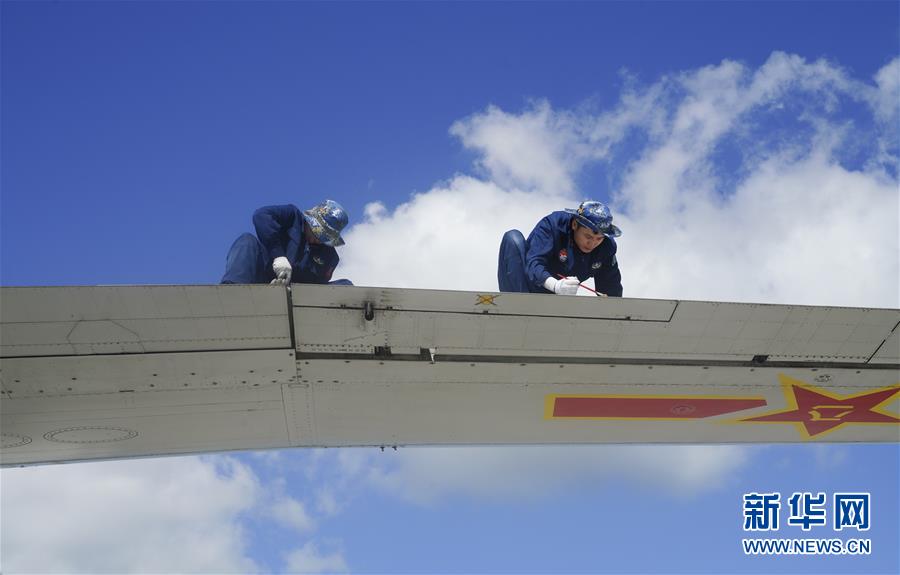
[130, 371]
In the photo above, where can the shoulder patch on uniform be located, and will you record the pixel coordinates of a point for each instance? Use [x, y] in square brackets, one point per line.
[614, 262]
[563, 254]
[596, 265]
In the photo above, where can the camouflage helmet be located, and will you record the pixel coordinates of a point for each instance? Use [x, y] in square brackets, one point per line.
[325, 221]
[596, 217]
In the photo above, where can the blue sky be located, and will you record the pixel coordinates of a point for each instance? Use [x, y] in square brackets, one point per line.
[749, 152]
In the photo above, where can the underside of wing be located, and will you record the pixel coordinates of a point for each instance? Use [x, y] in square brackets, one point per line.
[130, 371]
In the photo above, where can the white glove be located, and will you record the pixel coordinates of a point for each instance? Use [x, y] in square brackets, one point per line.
[567, 286]
[282, 268]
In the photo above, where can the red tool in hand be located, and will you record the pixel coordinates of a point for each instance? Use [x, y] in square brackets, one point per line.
[596, 293]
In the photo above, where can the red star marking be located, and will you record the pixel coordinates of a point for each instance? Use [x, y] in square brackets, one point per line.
[815, 411]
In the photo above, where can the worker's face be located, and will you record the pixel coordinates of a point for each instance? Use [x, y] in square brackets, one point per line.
[585, 239]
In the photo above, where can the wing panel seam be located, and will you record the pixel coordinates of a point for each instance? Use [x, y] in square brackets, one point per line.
[495, 314]
[884, 341]
[597, 360]
[144, 353]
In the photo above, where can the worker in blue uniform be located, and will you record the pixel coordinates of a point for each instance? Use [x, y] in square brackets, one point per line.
[290, 246]
[564, 249]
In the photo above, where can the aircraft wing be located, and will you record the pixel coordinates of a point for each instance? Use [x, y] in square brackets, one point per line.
[130, 371]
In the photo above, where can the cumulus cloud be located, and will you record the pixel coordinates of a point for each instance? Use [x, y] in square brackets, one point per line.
[426, 476]
[540, 150]
[166, 515]
[746, 186]
[887, 93]
[446, 238]
[309, 559]
[291, 513]
[157, 515]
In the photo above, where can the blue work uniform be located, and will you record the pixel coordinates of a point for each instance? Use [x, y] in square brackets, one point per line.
[550, 251]
[280, 231]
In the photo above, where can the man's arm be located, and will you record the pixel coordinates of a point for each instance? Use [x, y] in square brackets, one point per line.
[608, 279]
[540, 250]
[272, 224]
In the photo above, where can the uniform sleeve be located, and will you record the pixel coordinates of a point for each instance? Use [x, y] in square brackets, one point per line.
[329, 268]
[608, 279]
[323, 273]
[272, 224]
[540, 250]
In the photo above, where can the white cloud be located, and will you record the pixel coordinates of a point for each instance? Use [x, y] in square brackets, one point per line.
[292, 514]
[830, 457]
[309, 559]
[166, 515]
[790, 222]
[794, 232]
[156, 515]
[326, 501]
[539, 150]
[887, 93]
[428, 475]
[446, 238]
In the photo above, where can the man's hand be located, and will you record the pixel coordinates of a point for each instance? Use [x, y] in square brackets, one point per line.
[565, 286]
[568, 286]
[282, 268]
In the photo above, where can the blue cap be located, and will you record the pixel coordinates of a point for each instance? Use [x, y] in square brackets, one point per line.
[596, 217]
[326, 220]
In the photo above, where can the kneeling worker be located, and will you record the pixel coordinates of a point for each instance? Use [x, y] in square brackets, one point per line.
[564, 249]
[291, 246]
